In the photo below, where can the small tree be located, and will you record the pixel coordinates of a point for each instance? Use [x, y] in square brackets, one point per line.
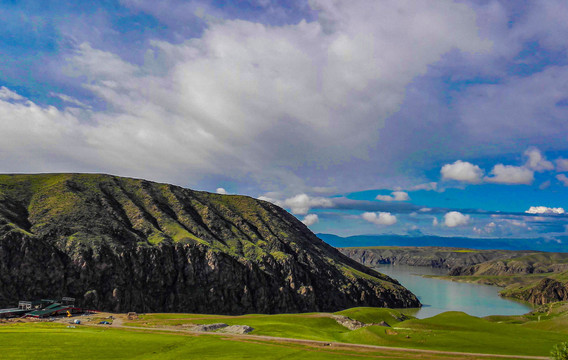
[559, 351]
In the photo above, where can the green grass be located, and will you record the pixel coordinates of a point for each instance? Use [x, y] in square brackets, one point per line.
[299, 326]
[454, 331]
[369, 315]
[450, 331]
[531, 334]
[49, 341]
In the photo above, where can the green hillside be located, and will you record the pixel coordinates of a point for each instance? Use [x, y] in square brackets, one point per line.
[124, 244]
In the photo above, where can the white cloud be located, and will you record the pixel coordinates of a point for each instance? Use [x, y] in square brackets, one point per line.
[324, 189]
[563, 179]
[70, 100]
[561, 164]
[462, 171]
[302, 203]
[380, 218]
[435, 222]
[545, 210]
[40, 139]
[310, 219]
[222, 191]
[425, 209]
[517, 110]
[455, 218]
[7, 95]
[271, 200]
[486, 230]
[513, 175]
[544, 185]
[427, 186]
[245, 98]
[395, 196]
[536, 161]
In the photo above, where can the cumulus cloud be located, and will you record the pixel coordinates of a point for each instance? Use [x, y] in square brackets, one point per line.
[222, 191]
[561, 164]
[310, 219]
[7, 94]
[455, 218]
[246, 98]
[563, 179]
[380, 218]
[536, 161]
[486, 230]
[271, 200]
[41, 138]
[435, 222]
[302, 203]
[462, 171]
[512, 175]
[545, 210]
[395, 196]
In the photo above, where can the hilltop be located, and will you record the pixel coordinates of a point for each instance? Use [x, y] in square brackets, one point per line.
[122, 244]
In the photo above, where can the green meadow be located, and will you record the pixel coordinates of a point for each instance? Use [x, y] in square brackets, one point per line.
[165, 336]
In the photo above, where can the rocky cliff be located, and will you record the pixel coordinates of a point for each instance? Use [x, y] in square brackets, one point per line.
[122, 244]
[431, 256]
[541, 292]
[527, 263]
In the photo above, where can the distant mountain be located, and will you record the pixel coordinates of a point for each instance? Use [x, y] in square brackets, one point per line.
[538, 244]
[123, 244]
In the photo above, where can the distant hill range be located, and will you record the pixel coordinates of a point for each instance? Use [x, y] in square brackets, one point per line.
[535, 244]
[122, 244]
[533, 276]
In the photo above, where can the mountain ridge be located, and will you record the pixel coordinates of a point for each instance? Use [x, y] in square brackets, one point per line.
[125, 244]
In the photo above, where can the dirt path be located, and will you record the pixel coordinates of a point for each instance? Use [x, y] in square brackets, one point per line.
[118, 323]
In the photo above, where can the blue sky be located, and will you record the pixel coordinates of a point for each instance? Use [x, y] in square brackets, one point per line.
[360, 117]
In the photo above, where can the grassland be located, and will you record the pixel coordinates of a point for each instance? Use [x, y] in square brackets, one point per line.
[168, 336]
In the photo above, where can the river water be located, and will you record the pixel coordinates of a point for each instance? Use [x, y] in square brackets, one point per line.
[438, 296]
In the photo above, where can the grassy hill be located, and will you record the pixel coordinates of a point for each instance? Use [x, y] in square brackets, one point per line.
[124, 244]
[166, 336]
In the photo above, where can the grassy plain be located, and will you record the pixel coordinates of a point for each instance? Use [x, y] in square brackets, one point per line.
[166, 336]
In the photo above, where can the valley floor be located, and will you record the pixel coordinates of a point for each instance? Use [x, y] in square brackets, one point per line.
[449, 335]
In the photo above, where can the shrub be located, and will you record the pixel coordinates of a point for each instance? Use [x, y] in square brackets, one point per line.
[560, 351]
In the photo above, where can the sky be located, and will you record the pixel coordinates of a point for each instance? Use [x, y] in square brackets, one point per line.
[404, 117]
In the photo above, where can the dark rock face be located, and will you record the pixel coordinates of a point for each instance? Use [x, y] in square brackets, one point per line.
[545, 291]
[121, 245]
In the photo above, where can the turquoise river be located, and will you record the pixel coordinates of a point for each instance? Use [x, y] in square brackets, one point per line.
[438, 295]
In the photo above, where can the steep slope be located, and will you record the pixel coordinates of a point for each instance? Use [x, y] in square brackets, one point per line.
[547, 290]
[131, 245]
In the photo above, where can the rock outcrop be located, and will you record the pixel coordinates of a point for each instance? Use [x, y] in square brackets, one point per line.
[431, 256]
[544, 291]
[121, 244]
